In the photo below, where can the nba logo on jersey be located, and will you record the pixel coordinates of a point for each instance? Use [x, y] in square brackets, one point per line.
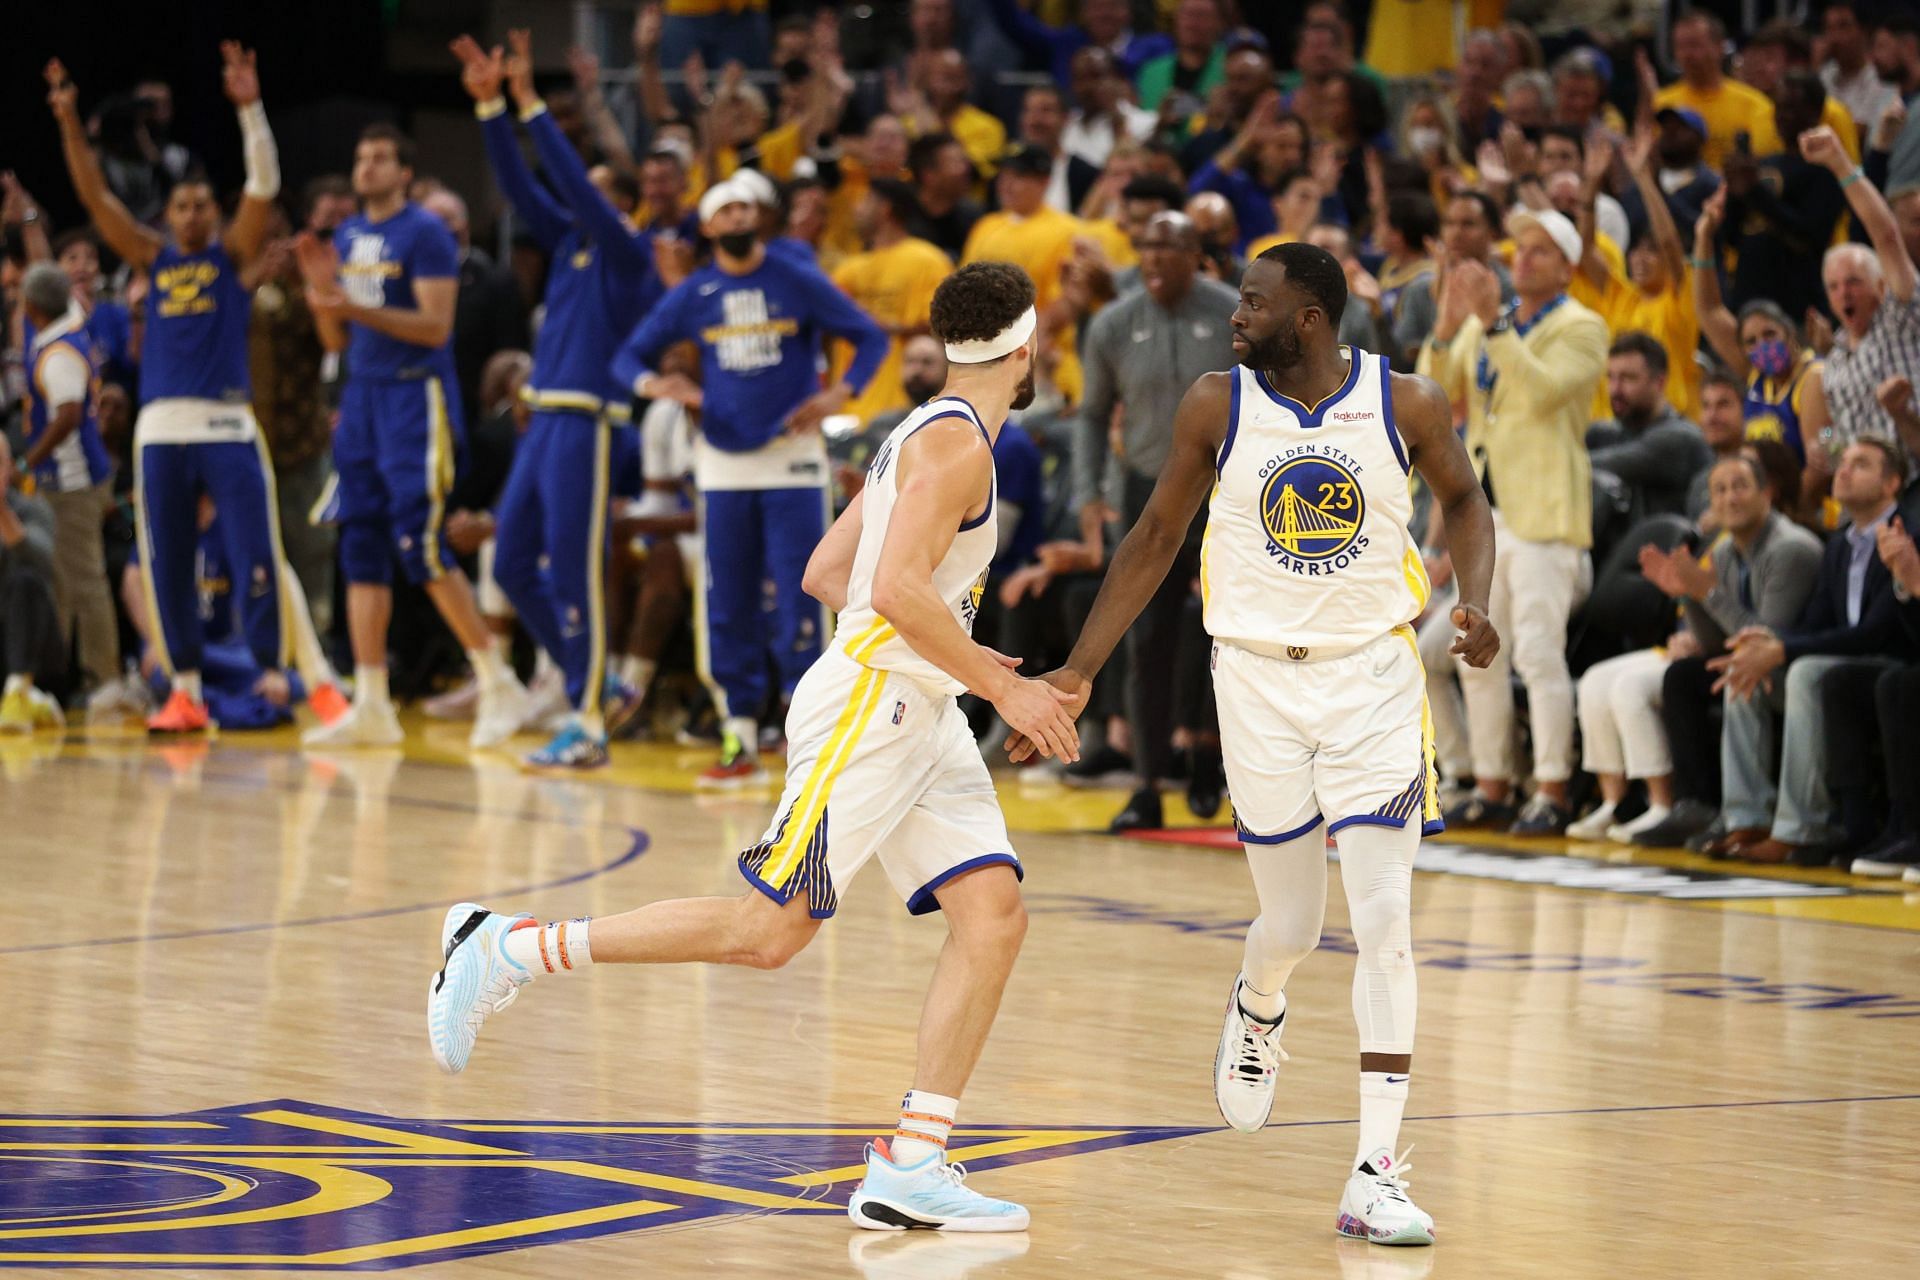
[1312, 507]
[899, 712]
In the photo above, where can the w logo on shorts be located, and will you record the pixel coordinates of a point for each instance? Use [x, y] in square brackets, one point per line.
[899, 712]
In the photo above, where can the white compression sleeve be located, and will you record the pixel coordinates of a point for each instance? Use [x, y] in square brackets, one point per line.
[263, 157]
[1291, 881]
[1376, 867]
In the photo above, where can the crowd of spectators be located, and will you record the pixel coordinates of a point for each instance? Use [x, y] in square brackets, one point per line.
[1667, 277]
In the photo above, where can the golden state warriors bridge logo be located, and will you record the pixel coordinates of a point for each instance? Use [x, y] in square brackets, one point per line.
[289, 1184]
[1312, 508]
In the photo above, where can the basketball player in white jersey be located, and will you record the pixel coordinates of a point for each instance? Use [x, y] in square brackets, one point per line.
[1310, 582]
[879, 761]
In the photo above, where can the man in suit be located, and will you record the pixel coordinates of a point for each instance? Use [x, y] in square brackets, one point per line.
[1527, 372]
[1851, 621]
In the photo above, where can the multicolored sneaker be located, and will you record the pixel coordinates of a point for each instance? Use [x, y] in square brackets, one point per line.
[932, 1195]
[1375, 1206]
[328, 702]
[476, 981]
[621, 703]
[737, 768]
[181, 715]
[1244, 1065]
[571, 748]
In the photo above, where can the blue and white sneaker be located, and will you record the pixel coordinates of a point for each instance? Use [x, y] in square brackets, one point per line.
[1375, 1206]
[932, 1195]
[571, 748]
[476, 981]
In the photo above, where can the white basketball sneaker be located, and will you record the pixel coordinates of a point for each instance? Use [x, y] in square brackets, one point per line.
[363, 725]
[501, 714]
[1375, 1206]
[476, 981]
[932, 1195]
[1244, 1064]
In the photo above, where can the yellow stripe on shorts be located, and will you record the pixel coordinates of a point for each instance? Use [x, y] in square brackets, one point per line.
[804, 817]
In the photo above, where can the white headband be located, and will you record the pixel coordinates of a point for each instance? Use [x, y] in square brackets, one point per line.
[1008, 340]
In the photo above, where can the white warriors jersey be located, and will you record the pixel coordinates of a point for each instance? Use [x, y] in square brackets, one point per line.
[960, 578]
[1307, 545]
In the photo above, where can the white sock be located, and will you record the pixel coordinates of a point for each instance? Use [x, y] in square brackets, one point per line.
[188, 682]
[1383, 1097]
[369, 686]
[18, 684]
[502, 644]
[926, 1120]
[489, 668]
[593, 724]
[745, 728]
[636, 673]
[544, 667]
[558, 947]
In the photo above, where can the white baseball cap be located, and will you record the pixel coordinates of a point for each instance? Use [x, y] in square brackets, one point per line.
[1557, 225]
[722, 194]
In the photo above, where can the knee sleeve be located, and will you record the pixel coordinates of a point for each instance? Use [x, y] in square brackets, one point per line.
[1291, 880]
[1377, 869]
[364, 555]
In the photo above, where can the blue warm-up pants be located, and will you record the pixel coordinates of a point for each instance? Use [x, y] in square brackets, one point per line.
[757, 545]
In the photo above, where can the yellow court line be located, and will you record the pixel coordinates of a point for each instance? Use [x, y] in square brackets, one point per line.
[399, 1139]
[336, 1190]
[667, 1182]
[862, 1131]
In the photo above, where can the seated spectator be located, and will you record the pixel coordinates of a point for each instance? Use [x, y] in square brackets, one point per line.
[1758, 574]
[1469, 227]
[1849, 71]
[1107, 24]
[32, 654]
[1723, 426]
[1684, 182]
[1249, 79]
[1102, 115]
[1732, 110]
[1775, 49]
[1892, 698]
[1785, 396]
[1219, 231]
[1196, 65]
[1647, 444]
[1043, 122]
[943, 179]
[1785, 814]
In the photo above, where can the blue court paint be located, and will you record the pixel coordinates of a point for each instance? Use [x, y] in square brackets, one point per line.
[359, 1191]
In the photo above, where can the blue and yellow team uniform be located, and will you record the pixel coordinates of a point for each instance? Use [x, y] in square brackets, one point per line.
[550, 544]
[398, 442]
[229, 674]
[196, 434]
[1310, 582]
[764, 495]
[80, 461]
[1773, 406]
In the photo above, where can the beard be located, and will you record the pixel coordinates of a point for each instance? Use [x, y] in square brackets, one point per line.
[1023, 394]
[921, 390]
[1278, 350]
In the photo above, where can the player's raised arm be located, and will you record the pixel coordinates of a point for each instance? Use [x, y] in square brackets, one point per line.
[945, 470]
[123, 233]
[1425, 421]
[241, 79]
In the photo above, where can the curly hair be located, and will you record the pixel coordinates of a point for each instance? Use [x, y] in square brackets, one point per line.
[980, 300]
[1314, 272]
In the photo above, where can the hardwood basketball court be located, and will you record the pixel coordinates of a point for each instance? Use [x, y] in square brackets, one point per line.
[216, 972]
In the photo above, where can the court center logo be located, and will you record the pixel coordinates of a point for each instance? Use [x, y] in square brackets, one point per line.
[291, 1184]
[1313, 508]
